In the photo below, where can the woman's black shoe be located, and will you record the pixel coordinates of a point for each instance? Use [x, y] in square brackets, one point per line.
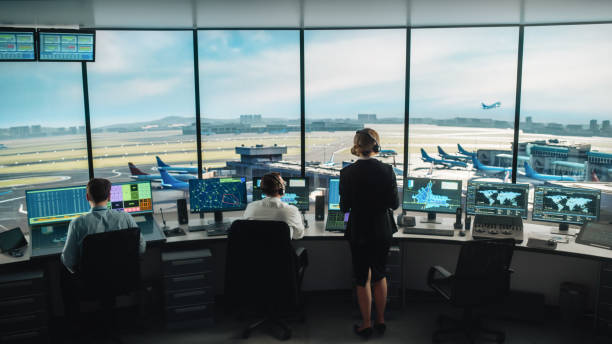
[364, 333]
[380, 328]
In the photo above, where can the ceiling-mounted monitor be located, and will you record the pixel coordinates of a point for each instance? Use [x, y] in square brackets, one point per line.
[17, 44]
[67, 45]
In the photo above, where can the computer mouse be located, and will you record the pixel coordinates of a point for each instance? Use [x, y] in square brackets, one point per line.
[461, 233]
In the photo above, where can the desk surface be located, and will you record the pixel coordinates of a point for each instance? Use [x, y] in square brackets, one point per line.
[316, 231]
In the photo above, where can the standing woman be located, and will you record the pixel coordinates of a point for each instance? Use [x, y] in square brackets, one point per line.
[368, 190]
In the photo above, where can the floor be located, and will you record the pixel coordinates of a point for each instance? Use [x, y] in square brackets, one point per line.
[329, 319]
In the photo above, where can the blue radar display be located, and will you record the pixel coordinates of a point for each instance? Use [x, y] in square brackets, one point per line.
[431, 195]
[333, 203]
[296, 192]
[501, 199]
[217, 194]
[565, 205]
[17, 45]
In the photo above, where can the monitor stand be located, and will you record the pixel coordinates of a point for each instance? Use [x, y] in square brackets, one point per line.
[564, 230]
[431, 218]
[218, 219]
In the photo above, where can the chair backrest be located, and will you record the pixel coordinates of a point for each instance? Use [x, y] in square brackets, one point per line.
[261, 265]
[483, 271]
[110, 262]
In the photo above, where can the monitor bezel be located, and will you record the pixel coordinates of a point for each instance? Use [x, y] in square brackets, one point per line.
[85, 31]
[20, 29]
[485, 182]
[245, 203]
[48, 223]
[288, 180]
[136, 182]
[453, 211]
[328, 203]
[569, 188]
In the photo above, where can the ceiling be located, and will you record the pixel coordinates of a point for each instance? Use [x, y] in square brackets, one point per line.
[296, 13]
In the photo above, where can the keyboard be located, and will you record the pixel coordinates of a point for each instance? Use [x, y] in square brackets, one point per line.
[335, 221]
[197, 228]
[429, 231]
[498, 227]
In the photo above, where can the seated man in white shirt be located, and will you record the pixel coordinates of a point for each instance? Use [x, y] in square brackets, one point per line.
[272, 208]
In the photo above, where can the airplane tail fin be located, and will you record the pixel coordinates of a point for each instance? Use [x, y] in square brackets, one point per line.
[529, 171]
[331, 158]
[160, 163]
[135, 171]
[167, 178]
[424, 154]
[461, 150]
[476, 162]
[441, 151]
[483, 105]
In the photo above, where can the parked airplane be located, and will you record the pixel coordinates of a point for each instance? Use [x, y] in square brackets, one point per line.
[464, 152]
[170, 182]
[492, 106]
[447, 156]
[385, 153]
[494, 170]
[531, 173]
[138, 174]
[177, 169]
[446, 163]
[330, 163]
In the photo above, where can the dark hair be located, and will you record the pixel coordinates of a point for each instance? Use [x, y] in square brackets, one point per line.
[98, 189]
[364, 143]
[271, 184]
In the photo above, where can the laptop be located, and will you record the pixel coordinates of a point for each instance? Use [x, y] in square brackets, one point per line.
[336, 219]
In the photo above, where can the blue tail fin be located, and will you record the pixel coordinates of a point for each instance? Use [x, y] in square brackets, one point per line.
[167, 178]
[424, 154]
[160, 163]
[528, 170]
[476, 162]
[441, 151]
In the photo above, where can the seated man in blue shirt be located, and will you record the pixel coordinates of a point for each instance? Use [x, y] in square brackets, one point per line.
[101, 219]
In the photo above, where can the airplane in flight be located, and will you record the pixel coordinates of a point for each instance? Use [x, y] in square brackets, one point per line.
[446, 163]
[330, 163]
[385, 153]
[464, 152]
[531, 173]
[447, 156]
[138, 174]
[170, 182]
[492, 106]
[177, 169]
[490, 170]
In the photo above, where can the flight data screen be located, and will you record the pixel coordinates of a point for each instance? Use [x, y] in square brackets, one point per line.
[296, 192]
[135, 198]
[217, 194]
[333, 202]
[66, 46]
[500, 199]
[56, 205]
[565, 205]
[17, 46]
[432, 195]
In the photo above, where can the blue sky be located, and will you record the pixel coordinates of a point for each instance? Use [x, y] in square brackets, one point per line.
[148, 75]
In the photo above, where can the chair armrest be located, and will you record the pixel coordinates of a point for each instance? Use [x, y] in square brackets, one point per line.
[302, 256]
[436, 271]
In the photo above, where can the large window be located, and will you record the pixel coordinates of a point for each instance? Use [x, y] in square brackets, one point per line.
[462, 92]
[354, 79]
[42, 132]
[141, 91]
[250, 96]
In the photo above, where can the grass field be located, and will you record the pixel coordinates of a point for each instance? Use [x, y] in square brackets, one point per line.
[15, 182]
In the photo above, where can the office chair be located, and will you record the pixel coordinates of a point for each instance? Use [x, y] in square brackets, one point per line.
[264, 273]
[109, 267]
[482, 277]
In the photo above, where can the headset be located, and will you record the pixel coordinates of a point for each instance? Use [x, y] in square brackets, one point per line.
[376, 147]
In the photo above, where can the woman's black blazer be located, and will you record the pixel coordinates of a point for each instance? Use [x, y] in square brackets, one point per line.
[368, 190]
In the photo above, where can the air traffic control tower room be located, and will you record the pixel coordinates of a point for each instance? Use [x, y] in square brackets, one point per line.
[437, 171]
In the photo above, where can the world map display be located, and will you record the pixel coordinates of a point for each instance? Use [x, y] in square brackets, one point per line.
[494, 197]
[565, 203]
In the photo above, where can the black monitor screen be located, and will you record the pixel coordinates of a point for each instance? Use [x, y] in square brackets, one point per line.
[500, 199]
[217, 194]
[56, 205]
[132, 197]
[17, 45]
[565, 205]
[431, 195]
[296, 192]
[66, 45]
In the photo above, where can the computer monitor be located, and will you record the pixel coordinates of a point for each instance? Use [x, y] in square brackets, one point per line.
[132, 197]
[17, 44]
[216, 195]
[56, 205]
[296, 192]
[333, 201]
[431, 196]
[66, 45]
[565, 205]
[499, 199]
